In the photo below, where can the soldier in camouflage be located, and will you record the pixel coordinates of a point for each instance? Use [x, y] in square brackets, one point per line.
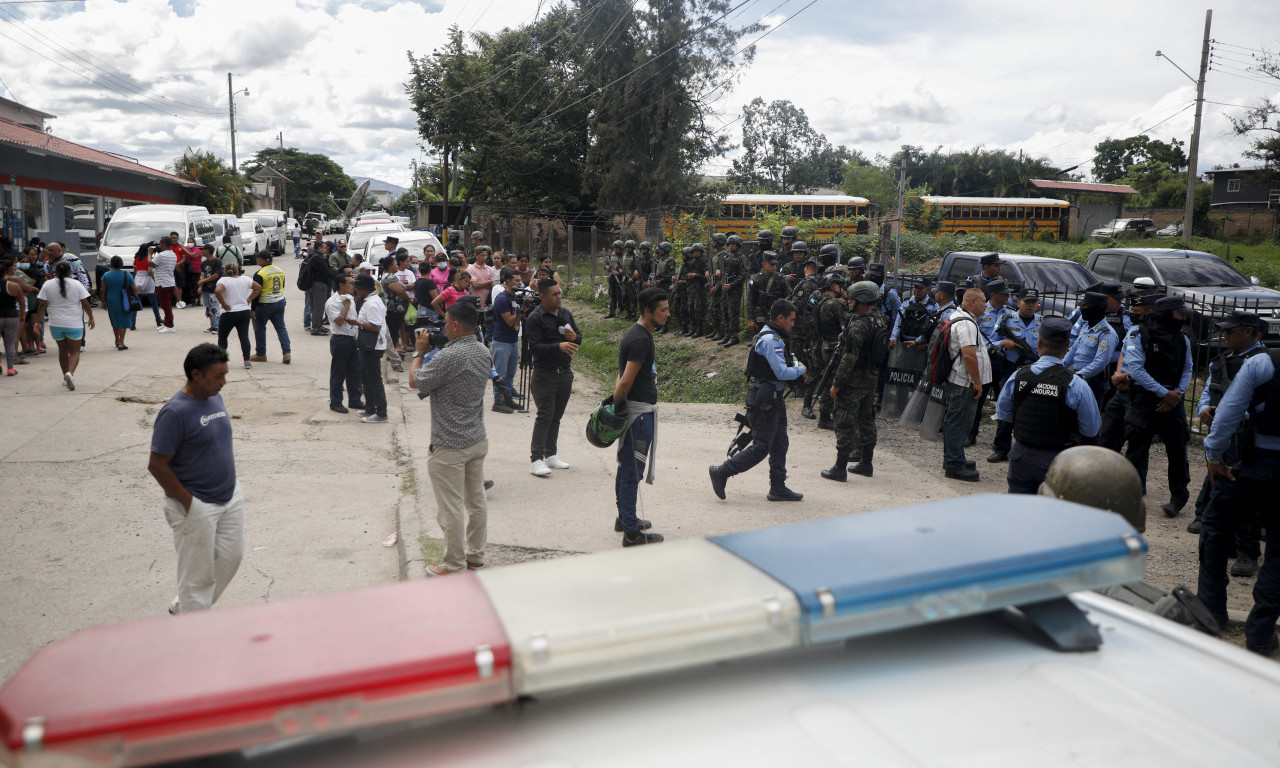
[627, 279]
[715, 294]
[788, 235]
[863, 352]
[613, 267]
[765, 288]
[664, 276]
[804, 296]
[764, 242]
[732, 281]
[793, 266]
[643, 267]
[695, 276]
[830, 314]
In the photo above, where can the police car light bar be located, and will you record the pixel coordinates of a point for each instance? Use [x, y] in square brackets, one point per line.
[218, 681]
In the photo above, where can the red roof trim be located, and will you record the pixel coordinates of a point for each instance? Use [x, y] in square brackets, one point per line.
[39, 141]
[32, 182]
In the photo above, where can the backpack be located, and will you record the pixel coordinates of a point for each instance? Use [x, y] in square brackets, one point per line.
[305, 277]
[940, 361]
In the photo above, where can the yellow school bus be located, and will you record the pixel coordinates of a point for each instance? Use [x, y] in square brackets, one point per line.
[1006, 217]
[737, 212]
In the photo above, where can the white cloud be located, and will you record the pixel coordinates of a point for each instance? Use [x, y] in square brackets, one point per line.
[328, 74]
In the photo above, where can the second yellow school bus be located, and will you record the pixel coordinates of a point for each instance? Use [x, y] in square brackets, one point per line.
[1005, 217]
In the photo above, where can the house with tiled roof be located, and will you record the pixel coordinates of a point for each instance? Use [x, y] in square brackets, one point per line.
[56, 189]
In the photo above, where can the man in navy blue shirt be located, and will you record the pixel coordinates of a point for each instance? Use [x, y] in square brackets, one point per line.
[769, 367]
[506, 341]
[192, 461]
[1247, 487]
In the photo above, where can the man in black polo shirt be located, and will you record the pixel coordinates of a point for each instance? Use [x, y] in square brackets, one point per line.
[637, 391]
[553, 339]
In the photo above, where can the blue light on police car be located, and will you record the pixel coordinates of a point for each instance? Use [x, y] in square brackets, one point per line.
[895, 568]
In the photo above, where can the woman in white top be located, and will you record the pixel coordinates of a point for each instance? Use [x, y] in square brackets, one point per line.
[236, 292]
[163, 263]
[65, 299]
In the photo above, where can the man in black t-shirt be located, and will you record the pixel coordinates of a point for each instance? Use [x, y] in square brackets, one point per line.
[210, 273]
[635, 395]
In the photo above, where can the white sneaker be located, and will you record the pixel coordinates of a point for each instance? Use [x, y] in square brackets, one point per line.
[182, 305]
[540, 469]
[555, 462]
[70, 382]
[166, 329]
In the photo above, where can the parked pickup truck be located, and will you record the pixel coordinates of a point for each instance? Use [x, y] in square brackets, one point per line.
[1211, 286]
[1054, 276]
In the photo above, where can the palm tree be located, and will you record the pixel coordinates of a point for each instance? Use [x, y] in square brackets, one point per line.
[222, 189]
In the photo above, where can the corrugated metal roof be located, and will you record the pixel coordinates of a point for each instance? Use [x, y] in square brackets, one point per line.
[1081, 186]
[39, 141]
[942, 200]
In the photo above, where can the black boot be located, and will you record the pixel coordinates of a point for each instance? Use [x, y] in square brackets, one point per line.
[719, 477]
[825, 422]
[863, 467]
[837, 471]
[729, 342]
[780, 492]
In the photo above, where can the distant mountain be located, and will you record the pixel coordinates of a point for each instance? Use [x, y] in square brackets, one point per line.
[395, 190]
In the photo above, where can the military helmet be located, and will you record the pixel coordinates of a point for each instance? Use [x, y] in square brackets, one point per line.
[630, 244]
[646, 246]
[617, 243]
[857, 262]
[735, 240]
[455, 234]
[664, 246]
[719, 238]
[790, 232]
[698, 247]
[864, 292]
[800, 246]
[834, 277]
[764, 236]
[829, 254]
[686, 251]
[1090, 475]
[605, 426]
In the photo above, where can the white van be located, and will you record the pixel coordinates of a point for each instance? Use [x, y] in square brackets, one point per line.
[276, 225]
[131, 227]
[227, 224]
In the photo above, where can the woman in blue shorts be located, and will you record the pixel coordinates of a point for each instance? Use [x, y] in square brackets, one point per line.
[65, 300]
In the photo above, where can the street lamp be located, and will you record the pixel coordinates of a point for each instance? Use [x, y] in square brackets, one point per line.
[231, 105]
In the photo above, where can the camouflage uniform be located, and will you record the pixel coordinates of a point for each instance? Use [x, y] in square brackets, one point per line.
[613, 267]
[628, 299]
[832, 313]
[715, 296]
[735, 274]
[695, 268]
[762, 292]
[856, 377]
[809, 289]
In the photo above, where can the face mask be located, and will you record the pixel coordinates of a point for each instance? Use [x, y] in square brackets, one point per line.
[1168, 321]
[1092, 315]
[441, 264]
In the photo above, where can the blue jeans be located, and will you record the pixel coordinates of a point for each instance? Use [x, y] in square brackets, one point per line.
[505, 356]
[961, 404]
[632, 453]
[269, 313]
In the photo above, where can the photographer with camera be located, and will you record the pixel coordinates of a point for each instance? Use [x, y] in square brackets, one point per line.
[344, 363]
[506, 340]
[553, 339]
[454, 380]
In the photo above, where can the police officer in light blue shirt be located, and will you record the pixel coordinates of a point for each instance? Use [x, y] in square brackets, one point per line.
[1090, 353]
[989, 321]
[1024, 326]
[1048, 406]
[1248, 487]
[915, 311]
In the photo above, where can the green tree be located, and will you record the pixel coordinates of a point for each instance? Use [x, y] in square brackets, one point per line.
[1113, 157]
[919, 216]
[874, 182]
[222, 189]
[976, 172]
[782, 153]
[1262, 120]
[315, 180]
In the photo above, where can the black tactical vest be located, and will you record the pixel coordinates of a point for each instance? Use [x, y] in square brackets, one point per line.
[1268, 395]
[1165, 353]
[758, 368]
[1041, 417]
[1223, 371]
[915, 318]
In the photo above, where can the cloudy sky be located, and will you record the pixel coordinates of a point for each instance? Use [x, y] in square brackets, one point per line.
[146, 78]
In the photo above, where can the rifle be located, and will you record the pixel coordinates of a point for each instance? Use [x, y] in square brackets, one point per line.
[829, 372]
[1021, 343]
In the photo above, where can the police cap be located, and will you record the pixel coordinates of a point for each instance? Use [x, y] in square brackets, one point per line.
[1056, 330]
[1147, 298]
[989, 259]
[1169, 304]
[1092, 300]
[945, 286]
[1241, 319]
[1031, 294]
[999, 285]
[814, 261]
[770, 257]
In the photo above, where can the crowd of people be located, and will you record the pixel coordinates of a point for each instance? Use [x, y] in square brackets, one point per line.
[1114, 373]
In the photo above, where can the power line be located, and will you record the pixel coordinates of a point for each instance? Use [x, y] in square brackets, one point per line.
[1243, 48]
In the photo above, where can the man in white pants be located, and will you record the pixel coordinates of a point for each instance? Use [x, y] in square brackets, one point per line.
[192, 461]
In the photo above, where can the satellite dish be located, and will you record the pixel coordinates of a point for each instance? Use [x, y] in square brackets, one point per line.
[357, 199]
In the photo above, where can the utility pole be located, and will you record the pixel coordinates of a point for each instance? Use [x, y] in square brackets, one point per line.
[1188, 209]
[280, 164]
[897, 240]
[231, 106]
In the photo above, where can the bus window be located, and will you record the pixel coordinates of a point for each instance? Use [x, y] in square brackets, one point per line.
[1039, 212]
[946, 212]
[840, 211]
[725, 211]
[806, 211]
